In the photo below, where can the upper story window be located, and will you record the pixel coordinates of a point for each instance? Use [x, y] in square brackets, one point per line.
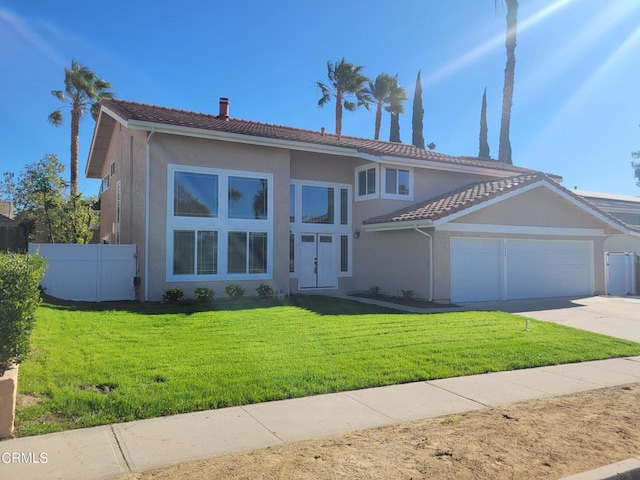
[105, 184]
[366, 182]
[397, 183]
[248, 198]
[195, 195]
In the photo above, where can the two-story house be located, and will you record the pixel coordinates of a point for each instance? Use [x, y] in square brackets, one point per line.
[211, 200]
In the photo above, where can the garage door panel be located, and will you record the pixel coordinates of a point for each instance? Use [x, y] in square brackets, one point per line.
[475, 269]
[548, 268]
[482, 270]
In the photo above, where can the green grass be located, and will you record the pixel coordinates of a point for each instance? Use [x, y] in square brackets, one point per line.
[98, 364]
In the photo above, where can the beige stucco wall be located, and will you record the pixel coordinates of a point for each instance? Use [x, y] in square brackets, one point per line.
[393, 261]
[622, 243]
[180, 150]
[539, 207]
[127, 149]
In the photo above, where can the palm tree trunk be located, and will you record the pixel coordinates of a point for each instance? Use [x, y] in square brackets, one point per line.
[504, 149]
[376, 134]
[75, 147]
[338, 115]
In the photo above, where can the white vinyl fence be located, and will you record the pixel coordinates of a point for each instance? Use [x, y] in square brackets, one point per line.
[90, 273]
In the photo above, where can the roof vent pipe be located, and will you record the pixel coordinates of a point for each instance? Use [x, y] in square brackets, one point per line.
[224, 109]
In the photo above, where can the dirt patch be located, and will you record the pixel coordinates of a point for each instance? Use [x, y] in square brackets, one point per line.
[25, 401]
[547, 438]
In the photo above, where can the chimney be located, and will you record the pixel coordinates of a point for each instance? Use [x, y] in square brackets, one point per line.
[224, 109]
[322, 131]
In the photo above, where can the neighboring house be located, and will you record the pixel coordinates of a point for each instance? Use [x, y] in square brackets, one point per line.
[211, 200]
[627, 209]
[12, 236]
[623, 207]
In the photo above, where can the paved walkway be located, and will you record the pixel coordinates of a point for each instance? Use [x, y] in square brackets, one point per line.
[113, 450]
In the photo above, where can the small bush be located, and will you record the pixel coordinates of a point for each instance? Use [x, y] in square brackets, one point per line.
[203, 294]
[20, 277]
[172, 294]
[265, 291]
[408, 294]
[234, 290]
[374, 290]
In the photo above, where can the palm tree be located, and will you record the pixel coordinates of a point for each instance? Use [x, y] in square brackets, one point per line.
[345, 80]
[381, 92]
[504, 148]
[83, 91]
[395, 108]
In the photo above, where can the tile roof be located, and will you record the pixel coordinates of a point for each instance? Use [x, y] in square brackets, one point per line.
[128, 111]
[457, 200]
[476, 193]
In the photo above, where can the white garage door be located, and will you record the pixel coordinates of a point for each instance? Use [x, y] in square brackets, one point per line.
[501, 269]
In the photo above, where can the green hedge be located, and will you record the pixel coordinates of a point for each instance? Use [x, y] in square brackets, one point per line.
[20, 277]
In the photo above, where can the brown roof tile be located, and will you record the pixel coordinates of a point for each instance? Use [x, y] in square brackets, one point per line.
[457, 200]
[168, 116]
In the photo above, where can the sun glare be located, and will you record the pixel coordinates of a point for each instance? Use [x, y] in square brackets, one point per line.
[609, 21]
[24, 33]
[482, 50]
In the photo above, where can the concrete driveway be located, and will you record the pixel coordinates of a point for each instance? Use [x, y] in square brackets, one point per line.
[614, 316]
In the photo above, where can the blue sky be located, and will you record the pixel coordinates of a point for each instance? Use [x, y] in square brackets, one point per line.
[576, 109]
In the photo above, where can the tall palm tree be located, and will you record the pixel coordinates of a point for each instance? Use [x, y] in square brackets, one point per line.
[83, 92]
[345, 80]
[381, 91]
[395, 108]
[504, 148]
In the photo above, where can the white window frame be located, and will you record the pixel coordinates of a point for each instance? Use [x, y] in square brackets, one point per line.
[222, 224]
[368, 196]
[337, 229]
[395, 196]
[105, 183]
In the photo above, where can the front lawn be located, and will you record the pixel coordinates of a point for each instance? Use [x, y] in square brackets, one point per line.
[98, 364]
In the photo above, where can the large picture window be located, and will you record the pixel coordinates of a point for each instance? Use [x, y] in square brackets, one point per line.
[317, 204]
[195, 195]
[195, 252]
[247, 252]
[219, 224]
[247, 198]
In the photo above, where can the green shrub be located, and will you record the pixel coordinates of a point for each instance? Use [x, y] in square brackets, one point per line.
[234, 290]
[20, 277]
[203, 294]
[173, 294]
[265, 291]
[374, 290]
[408, 294]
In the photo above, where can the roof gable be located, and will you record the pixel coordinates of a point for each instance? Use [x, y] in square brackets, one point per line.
[449, 206]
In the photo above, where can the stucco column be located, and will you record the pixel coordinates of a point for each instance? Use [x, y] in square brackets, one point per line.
[8, 393]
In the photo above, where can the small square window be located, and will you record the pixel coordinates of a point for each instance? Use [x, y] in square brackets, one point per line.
[366, 182]
[397, 182]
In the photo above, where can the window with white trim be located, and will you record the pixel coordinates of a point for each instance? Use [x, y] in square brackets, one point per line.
[219, 224]
[397, 183]
[366, 182]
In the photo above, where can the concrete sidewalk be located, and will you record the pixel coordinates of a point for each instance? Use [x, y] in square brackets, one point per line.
[113, 450]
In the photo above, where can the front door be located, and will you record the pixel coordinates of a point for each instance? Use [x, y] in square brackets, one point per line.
[318, 264]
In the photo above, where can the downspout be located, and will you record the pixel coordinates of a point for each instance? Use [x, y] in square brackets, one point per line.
[146, 215]
[415, 227]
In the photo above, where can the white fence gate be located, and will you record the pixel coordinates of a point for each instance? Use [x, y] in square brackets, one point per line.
[620, 273]
[89, 273]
